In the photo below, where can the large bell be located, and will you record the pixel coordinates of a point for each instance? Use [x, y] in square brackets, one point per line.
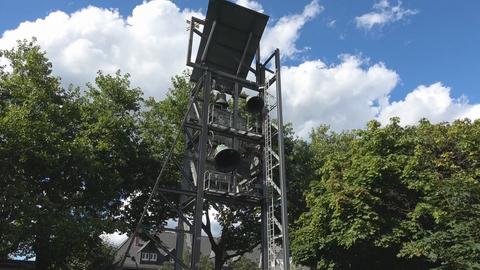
[220, 98]
[226, 159]
[254, 104]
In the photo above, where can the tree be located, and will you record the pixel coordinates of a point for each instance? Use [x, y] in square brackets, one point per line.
[240, 231]
[243, 264]
[300, 172]
[159, 123]
[393, 198]
[67, 160]
[206, 263]
[444, 226]
[101, 256]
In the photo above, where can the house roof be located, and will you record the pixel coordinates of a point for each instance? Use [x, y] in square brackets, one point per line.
[169, 240]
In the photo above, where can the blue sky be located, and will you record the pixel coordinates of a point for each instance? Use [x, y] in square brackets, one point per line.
[419, 43]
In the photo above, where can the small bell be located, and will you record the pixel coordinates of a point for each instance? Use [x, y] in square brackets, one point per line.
[220, 98]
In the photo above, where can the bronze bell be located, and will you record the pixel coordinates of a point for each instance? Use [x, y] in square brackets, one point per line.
[254, 104]
[226, 159]
[220, 98]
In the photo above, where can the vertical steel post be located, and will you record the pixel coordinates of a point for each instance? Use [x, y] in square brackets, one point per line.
[202, 157]
[260, 76]
[180, 240]
[190, 41]
[235, 142]
[281, 154]
[179, 243]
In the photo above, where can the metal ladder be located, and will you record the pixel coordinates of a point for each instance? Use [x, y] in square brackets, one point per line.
[274, 228]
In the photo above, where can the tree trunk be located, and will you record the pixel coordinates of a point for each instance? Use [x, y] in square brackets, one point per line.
[42, 262]
[41, 249]
[218, 259]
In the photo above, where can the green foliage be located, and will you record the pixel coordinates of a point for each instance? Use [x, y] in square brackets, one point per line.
[243, 264]
[240, 231]
[300, 171]
[393, 198]
[167, 266]
[161, 120]
[158, 125]
[67, 159]
[100, 258]
[445, 226]
[206, 263]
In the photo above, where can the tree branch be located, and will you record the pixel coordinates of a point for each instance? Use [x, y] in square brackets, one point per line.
[208, 230]
[243, 251]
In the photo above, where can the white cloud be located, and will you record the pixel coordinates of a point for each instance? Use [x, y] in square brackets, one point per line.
[344, 96]
[286, 31]
[332, 23]
[5, 64]
[250, 4]
[114, 239]
[432, 102]
[383, 13]
[150, 44]
[351, 93]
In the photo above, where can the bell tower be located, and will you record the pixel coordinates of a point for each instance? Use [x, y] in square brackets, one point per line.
[233, 130]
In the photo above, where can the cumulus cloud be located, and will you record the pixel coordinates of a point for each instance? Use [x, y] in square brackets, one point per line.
[345, 96]
[285, 32]
[433, 102]
[349, 94]
[383, 13]
[150, 44]
[250, 4]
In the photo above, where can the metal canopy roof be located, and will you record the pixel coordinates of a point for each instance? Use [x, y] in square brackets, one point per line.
[230, 38]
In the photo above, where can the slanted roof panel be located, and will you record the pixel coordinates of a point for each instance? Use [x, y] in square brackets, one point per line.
[234, 24]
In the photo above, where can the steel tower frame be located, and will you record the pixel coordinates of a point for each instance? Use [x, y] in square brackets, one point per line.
[198, 127]
[275, 242]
